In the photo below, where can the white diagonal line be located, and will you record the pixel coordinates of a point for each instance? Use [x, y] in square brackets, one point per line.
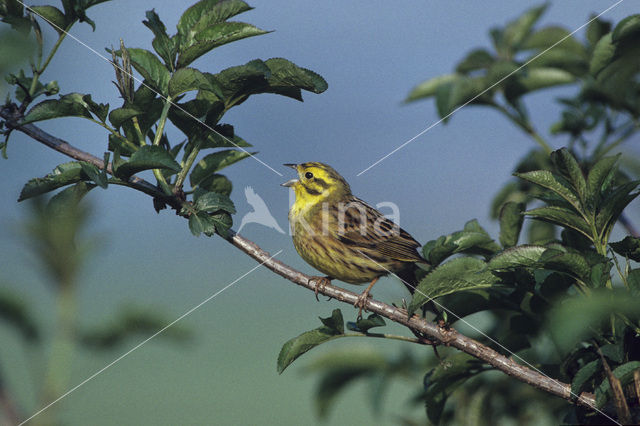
[431, 299]
[64, 395]
[173, 104]
[489, 88]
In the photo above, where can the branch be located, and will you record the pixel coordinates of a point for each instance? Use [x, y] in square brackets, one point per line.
[437, 333]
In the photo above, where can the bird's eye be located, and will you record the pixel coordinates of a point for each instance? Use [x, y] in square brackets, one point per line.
[308, 175]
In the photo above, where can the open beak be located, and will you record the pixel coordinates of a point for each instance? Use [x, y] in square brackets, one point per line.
[291, 182]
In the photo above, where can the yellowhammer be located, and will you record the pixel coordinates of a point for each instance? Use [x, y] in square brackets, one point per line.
[342, 236]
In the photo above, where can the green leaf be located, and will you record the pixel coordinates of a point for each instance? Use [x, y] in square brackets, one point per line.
[473, 239]
[633, 281]
[614, 351]
[555, 183]
[537, 78]
[581, 317]
[213, 201]
[150, 68]
[598, 175]
[628, 27]
[214, 36]
[216, 183]
[53, 16]
[475, 60]
[119, 116]
[629, 247]
[99, 177]
[208, 12]
[286, 75]
[524, 256]
[460, 91]
[215, 162]
[584, 375]
[596, 29]
[603, 54]
[429, 87]
[516, 31]
[146, 158]
[223, 223]
[202, 222]
[563, 217]
[511, 219]
[460, 274]
[571, 263]
[364, 325]
[59, 203]
[548, 36]
[71, 105]
[624, 373]
[164, 46]
[613, 204]
[441, 381]
[14, 311]
[333, 328]
[188, 79]
[567, 165]
[63, 175]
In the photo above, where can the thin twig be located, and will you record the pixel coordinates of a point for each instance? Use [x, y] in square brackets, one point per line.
[436, 333]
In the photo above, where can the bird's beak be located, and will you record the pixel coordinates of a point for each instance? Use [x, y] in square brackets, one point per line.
[291, 182]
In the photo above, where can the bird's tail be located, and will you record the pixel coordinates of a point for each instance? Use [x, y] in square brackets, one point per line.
[411, 276]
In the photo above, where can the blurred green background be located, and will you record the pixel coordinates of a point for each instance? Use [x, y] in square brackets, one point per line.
[371, 54]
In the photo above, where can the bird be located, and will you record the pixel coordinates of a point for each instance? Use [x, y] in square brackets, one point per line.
[260, 213]
[345, 238]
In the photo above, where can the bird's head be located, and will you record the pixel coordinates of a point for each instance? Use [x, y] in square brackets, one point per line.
[317, 182]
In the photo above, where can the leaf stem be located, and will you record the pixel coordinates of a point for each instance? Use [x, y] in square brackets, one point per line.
[186, 167]
[526, 127]
[156, 141]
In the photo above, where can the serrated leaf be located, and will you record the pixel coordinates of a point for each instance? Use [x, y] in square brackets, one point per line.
[555, 183]
[53, 16]
[598, 175]
[214, 36]
[624, 373]
[188, 79]
[146, 158]
[511, 220]
[429, 87]
[563, 217]
[614, 351]
[216, 183]
[164, 46]
[151, 69]
[524, 256]
[333, 328]
[629, 247]
[460, 274]
[63, 175]
[208, 12]
[215, 162]
[571, 263]
[70, 105]
[285, 74]
[567, 165]
[583, 375]
[613, 204]
[213, 201]
[202, 222]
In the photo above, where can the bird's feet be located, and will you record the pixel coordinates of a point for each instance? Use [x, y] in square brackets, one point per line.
[361, 302]
[321, 282]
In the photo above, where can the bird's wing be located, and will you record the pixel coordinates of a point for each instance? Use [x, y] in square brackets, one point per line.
[377, 233]
[254, 199]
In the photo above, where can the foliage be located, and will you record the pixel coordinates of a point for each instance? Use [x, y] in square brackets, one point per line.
[170, 91]
[556, 302]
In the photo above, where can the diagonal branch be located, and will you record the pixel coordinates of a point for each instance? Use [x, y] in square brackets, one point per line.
[433, 331]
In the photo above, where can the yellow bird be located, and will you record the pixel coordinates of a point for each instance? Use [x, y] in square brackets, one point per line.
[344, 237]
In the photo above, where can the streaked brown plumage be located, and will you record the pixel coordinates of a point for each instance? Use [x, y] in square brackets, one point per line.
[344, 237]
